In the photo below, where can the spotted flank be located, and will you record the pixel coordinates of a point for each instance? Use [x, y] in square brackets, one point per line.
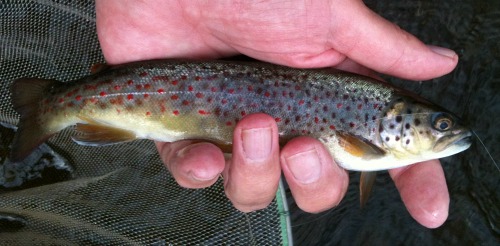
[367, 125]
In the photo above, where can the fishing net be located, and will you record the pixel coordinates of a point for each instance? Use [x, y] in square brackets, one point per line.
[66, 194]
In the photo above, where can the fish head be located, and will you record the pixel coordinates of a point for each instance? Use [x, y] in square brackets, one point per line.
[418, 130]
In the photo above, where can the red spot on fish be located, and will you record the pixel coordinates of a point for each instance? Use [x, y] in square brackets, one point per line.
[352, 125]
[339, 105]
[250, 88]
[297, 88]
[197, 78]
[277, 119]
[130, 97]
[175, 82]
[174, 97]
[130, 82]
[213, 89]
[147, 86]
[69, 94]
[119, 100]
[118, 111]
[185, 102]
[332, 127]
[161, 91]
[267, 94]
[148, 113]
[243, 113]
[203, 112]
[93, 100]
[61, 100]
[209, 100]
[316, 120]
[176, 112]
[143, 74]
[102, 94]
[184, 77]
[89, 87]
[229, 123]
[138, 87]
[190, 88]
[223, 101]
[146, 96]
[287, 121]
[160, 78]
[199, 95]
[301, 102]
[231, 91]
[289, 107]
[117, 87]
[163, 109]
[360, 106]
[78, 98]
[375, 106]
[316, 99]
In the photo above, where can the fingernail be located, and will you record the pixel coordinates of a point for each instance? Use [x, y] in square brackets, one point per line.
[442, 51]
[305, 167]
[257, 143]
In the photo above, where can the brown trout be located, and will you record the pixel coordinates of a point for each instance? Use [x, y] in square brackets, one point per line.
[366, 124]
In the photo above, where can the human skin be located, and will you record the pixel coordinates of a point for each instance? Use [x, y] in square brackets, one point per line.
[339, 33]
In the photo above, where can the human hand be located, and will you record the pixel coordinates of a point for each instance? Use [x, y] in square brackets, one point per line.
[340, 33]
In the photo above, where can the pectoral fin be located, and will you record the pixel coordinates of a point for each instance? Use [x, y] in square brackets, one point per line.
[366, 182]
[96, 134]
[359, 147]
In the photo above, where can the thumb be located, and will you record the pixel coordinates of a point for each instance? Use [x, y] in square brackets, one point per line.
[376, 43]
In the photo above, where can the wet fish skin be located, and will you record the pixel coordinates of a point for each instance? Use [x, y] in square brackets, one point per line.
[366, 124]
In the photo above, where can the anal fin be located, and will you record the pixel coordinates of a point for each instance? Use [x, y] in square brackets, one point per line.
[94, 134]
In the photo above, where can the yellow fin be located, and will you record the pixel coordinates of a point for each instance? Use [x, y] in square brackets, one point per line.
[366, 182]
[96, 134]
[359, 147]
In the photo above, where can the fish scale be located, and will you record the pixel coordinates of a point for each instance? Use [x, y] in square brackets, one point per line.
[364, 123]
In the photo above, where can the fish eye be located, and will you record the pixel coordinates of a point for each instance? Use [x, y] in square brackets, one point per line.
[442, 122]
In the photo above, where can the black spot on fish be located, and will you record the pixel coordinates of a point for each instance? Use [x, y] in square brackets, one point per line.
[397, 138]
[407, 141]
[334, 115]
[399, 118]
[391, 126]
[387, 139]
[417, 122]
[407, 126]
[380, 128]
[408, 111]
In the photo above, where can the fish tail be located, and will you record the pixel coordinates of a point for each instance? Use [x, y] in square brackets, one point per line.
[26, 94]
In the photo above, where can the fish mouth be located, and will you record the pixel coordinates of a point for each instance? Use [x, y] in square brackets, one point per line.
[460, 141]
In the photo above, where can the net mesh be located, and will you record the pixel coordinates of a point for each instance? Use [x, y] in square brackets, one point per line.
[68, 194]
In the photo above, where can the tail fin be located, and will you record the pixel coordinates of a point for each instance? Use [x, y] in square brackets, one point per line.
[26, 94]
